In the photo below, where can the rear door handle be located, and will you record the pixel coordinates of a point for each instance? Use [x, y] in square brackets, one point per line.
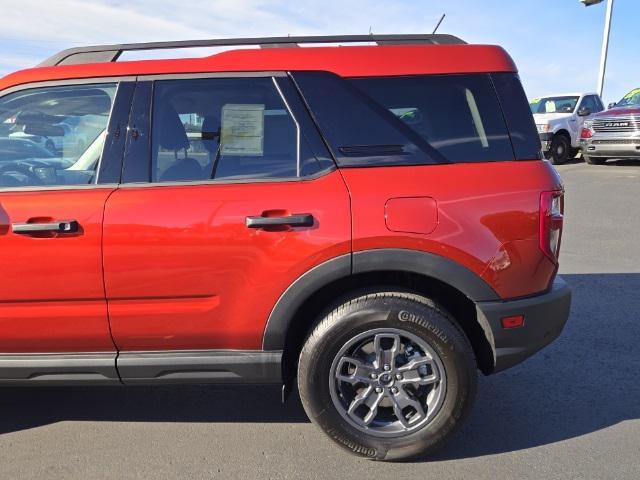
[299, 220]
[58, 226]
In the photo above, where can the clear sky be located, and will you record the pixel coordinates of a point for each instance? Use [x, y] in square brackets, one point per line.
[555, 43]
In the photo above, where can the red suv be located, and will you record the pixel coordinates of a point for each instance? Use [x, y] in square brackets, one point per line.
[374, 221]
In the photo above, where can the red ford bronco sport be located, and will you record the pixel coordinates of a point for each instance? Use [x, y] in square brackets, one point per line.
[374, 221]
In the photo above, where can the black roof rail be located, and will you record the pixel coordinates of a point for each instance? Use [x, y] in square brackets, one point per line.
[110, 53]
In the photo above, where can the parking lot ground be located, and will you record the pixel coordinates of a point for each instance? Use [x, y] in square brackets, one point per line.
[572, 411]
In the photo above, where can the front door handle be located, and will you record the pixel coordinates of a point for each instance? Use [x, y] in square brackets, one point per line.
[298, 220]
[58, 226]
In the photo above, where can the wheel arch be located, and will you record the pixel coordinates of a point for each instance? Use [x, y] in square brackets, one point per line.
[313, 294]
[563, 131]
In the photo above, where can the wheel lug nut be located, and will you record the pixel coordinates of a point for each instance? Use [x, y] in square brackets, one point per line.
[378, 389]
[374, 376]
[387, 367]
[399, 376]
[394, 390]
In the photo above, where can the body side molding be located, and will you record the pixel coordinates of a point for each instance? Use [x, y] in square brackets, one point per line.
[40, 369]
[200, 366]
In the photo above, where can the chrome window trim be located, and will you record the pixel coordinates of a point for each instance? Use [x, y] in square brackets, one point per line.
[295, 120]
[205, 75]
[90, 186]
[64, 82]
[223, 181]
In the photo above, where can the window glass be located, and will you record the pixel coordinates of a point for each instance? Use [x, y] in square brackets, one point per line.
[590, 102]
[522, 127]
[53, 136]
[457, 115]
[554, 104]
[222, 128]
[359, 131]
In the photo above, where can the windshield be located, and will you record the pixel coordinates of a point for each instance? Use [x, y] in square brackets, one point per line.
[631, 98]
[553, 104]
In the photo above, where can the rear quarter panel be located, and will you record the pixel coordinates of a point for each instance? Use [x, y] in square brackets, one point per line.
[487, 217]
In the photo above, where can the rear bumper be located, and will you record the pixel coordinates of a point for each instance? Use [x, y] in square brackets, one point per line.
[544, 318]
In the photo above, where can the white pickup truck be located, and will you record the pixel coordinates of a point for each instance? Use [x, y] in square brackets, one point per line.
[559, 120]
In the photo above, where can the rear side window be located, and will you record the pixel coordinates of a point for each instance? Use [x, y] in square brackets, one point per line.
[409, 120]
[225, 128]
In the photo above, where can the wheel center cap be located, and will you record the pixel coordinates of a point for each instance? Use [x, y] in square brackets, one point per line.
[386, 379]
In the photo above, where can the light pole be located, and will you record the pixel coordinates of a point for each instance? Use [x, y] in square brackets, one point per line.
[605, 40]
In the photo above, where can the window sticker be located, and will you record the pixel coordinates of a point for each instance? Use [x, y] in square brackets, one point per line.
[632, 93]
[242, 129]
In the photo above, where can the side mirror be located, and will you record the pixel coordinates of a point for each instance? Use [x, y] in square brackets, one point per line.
[612, 104]
[584, 112]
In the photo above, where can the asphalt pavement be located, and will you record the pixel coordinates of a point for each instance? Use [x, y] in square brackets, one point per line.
[570, 412]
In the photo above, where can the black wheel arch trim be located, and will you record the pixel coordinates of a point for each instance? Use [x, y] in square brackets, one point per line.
[393, 259]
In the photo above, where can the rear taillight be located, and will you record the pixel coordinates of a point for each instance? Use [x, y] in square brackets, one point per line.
[551, 219]
[586, 133]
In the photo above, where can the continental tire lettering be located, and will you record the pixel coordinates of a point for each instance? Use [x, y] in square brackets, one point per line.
[353, 446]
[405, 316]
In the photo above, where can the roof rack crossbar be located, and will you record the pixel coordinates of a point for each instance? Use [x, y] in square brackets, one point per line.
[111, 53]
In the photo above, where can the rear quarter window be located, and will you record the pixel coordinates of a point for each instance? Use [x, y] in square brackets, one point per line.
[517, 114]
[423, 119]
[458, 115]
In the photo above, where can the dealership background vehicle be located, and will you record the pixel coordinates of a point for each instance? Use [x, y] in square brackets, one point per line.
[375, 222]
[52, 141]
[559, 120]
[12, 149]
[614, 133]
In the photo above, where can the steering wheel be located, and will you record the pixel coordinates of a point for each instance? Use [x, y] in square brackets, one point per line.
[33, 179]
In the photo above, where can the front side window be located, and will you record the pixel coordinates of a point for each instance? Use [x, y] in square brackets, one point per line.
[589, 102]
[222, 128]
[53, 136]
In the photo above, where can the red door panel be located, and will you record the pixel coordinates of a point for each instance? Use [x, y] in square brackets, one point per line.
[183, 270]
[51, 288]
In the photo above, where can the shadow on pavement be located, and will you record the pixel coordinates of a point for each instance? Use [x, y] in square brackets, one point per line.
[624, 162]
[586, 381]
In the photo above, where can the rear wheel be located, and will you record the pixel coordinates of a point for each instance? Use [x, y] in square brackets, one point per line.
[560, 150]
[387, 375]
[594, 160]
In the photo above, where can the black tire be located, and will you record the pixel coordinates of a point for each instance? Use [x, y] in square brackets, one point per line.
[560, 149]
[594, 160]
[409, 313]
[49, 145]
